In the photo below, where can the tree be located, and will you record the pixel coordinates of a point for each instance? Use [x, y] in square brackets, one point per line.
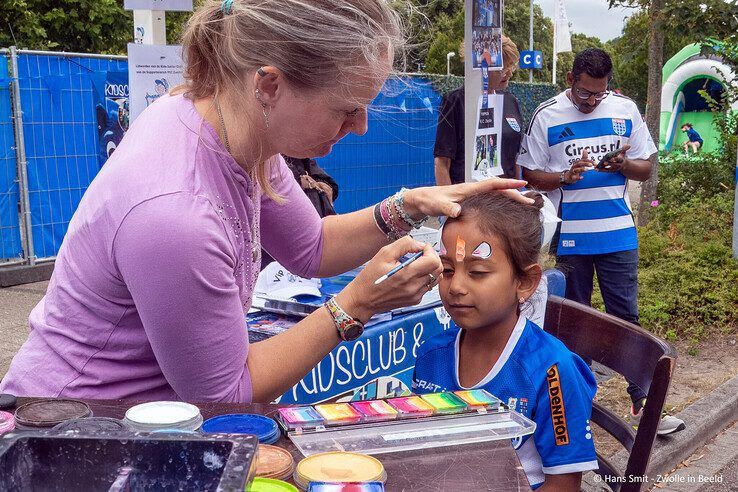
[85, 26]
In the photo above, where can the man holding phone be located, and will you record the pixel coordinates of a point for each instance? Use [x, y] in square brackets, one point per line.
[581, 148]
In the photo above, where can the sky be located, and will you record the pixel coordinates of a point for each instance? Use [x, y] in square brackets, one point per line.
[591, 17]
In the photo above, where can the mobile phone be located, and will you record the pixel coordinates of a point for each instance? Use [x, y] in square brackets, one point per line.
[601, 165]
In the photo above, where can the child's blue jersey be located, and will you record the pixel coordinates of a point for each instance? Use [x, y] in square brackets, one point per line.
[537, 376]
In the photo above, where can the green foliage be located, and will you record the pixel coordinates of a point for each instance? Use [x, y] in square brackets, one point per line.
[85, 26]
[688, 278]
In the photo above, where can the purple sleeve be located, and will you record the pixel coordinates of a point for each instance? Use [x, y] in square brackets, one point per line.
[173, 254]
[292, 232]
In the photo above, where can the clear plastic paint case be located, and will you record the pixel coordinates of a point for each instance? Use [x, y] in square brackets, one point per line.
[409, 434]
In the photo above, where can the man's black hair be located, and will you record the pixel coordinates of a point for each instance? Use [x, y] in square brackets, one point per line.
[594, 62]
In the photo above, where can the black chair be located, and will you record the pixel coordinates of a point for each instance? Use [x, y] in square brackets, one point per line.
[631, 351]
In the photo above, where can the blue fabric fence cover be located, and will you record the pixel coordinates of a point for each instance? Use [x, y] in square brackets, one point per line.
[60, 99]
[10, 238]
[396, 151]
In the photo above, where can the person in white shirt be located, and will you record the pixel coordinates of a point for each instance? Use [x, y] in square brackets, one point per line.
[562, 154]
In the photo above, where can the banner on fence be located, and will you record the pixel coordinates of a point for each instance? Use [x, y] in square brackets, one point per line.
[111, 110]
[152, 71]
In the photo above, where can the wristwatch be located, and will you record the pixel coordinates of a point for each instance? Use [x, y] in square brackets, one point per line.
[349, 328]
[562, 178]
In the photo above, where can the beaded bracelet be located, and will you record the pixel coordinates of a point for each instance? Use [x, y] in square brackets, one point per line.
[400, 206]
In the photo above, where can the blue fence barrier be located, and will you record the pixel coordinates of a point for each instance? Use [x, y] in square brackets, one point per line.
[58, 99]
[74, 111]
[10, 237]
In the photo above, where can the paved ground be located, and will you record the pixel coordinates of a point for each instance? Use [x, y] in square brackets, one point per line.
[15, 304]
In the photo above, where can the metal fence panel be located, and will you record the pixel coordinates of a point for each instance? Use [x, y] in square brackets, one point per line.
[58, 101]
[10, 236]
[396, 151]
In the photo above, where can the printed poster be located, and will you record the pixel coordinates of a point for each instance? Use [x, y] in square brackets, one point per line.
[111, 110]
[153, 70]
[487, 137]
[487, 34]
[180, 5]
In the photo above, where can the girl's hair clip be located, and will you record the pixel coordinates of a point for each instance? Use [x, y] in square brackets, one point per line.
[226, 6]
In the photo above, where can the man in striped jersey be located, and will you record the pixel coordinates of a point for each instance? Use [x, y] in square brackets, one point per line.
[568, 135]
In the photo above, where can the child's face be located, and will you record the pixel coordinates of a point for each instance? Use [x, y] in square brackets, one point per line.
[481, 289]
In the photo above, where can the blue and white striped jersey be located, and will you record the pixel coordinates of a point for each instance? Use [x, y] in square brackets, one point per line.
[595, 212]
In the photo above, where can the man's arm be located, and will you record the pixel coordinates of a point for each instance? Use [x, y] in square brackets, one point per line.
[442, 169]
[545, 181]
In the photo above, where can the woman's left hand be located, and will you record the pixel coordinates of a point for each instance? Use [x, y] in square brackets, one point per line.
[444, 200]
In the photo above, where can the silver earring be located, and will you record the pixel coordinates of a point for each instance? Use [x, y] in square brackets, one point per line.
[521, 300]
[257, 94]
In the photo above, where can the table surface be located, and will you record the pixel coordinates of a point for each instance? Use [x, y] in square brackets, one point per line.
[475, 467]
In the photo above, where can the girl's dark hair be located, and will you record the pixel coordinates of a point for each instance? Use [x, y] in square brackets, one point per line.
[688, 125]
[517, 225]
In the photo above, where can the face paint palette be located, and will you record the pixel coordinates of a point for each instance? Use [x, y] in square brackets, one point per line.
[444, 403]
[402, 423]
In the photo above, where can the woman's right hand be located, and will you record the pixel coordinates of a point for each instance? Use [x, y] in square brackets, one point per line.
[362, 298]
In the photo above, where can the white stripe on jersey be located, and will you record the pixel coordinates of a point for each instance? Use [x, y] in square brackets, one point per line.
[596, 225]
[594, 194]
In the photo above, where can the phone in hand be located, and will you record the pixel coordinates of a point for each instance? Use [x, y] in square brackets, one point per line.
[603, 161]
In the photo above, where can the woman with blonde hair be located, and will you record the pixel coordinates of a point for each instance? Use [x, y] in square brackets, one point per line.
[157, 269]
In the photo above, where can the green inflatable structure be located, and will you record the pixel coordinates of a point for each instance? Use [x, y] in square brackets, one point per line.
[684, 75]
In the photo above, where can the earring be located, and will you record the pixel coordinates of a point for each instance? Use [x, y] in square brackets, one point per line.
[257, 94]
[521, 300]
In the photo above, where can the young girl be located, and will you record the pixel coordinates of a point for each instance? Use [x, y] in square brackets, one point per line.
[490, 270]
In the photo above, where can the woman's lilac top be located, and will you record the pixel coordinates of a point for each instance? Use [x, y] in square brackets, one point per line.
[155, 274]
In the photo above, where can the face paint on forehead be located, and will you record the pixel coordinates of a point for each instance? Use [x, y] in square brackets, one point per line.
[442, 247]
[483, 251]
[460, 249]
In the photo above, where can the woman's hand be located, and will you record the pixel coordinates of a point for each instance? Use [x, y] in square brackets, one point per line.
[444, 200]
[362, 298]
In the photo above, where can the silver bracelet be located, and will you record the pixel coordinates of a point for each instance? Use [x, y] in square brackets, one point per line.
[400, 205]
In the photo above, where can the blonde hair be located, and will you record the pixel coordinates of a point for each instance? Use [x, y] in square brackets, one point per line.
[510, 53]
[313, 43]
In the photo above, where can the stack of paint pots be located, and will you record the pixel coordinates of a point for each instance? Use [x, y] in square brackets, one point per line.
[274, 462]
[44, 414]
[164, 416]
[338, 466]
[262, 427]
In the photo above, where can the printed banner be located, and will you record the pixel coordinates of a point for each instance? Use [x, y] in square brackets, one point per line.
[152, 71]
[487, 34]
[111, 110]
[488, 133]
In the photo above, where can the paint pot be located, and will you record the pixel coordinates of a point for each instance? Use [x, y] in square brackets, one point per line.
[92, 425]
[346, 487]
[158, 415]
[270, 485]
[244, 423]
[48, 413]
[274, 462]
[338, 466]
[7, 422]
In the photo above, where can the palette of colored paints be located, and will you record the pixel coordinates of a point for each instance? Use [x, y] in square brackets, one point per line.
[404, 423]
[404, 407]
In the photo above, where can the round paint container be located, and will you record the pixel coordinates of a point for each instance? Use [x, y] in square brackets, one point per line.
[339, 466]
[270, 485]
[92, 425]
[158, 415]
[48, 413]
[274, 462]
[243, 423]
[7, 422]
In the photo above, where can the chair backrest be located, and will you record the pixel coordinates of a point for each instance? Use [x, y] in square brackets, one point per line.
[631, 351]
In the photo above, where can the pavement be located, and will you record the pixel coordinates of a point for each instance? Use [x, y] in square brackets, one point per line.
[703, 457]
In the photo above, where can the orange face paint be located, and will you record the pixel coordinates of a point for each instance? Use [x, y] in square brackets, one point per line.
[460, 249]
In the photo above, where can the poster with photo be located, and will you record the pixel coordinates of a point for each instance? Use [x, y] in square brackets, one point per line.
[487, 138]
[487, 34]
[153, 70]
